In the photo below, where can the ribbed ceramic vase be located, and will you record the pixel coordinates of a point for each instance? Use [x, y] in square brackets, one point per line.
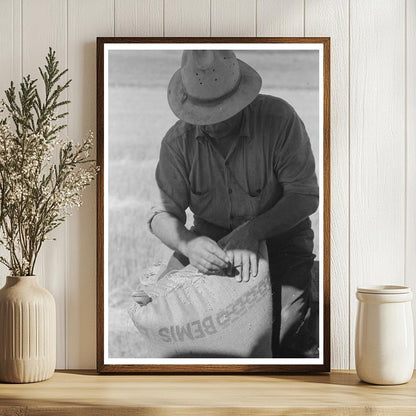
[27, 331]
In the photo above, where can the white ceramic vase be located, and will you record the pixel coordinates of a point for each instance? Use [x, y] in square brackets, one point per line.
[27, 331]
[384, 340]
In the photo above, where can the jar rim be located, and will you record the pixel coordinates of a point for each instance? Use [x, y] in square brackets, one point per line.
[384, 289]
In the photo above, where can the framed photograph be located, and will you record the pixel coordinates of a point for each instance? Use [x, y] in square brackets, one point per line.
[213, 205]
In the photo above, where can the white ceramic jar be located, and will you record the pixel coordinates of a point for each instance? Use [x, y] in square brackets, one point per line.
[384, 338]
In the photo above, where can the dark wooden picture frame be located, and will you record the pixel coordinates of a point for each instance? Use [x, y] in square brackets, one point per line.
[104, 367]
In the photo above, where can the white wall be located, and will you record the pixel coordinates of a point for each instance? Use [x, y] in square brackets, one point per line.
[373, 132]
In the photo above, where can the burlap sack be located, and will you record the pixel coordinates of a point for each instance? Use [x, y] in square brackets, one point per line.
[195, 315]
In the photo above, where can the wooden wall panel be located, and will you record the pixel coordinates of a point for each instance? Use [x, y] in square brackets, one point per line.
[10, 44]
[6, 45]
[330, 18]
[411, 150]
[280, 18]
[44, 24]
[138, 17]
[10, 64]
[233, 18]
[187, 18]
[377, 146]
[87, 20]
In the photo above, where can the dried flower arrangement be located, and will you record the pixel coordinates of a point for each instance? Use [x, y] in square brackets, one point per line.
[42, 176]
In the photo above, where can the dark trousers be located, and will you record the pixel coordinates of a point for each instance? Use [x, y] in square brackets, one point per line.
[290, 261]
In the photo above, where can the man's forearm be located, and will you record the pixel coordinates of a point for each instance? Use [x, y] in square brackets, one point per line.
[171, 231]
[202, 252]
[288, 212]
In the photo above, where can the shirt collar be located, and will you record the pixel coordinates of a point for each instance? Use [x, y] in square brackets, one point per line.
[243, 133]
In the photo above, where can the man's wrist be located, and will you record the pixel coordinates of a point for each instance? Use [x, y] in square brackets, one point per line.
[254, 230]
[186, 238]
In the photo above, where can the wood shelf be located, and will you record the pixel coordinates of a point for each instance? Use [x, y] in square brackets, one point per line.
[87, 393]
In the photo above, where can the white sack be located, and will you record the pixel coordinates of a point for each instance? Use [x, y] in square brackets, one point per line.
[196, 315]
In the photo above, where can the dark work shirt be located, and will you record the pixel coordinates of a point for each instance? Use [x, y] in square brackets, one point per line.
[270, 156]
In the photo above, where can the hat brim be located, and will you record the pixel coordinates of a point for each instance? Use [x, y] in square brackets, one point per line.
[219, 110]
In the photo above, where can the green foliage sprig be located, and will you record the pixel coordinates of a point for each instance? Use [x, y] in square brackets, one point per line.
[41, 175]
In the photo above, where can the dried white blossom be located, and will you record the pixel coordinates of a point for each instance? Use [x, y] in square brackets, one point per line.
[41, 180]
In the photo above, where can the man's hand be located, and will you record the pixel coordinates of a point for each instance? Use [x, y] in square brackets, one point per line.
[206, 255]
[242, 249]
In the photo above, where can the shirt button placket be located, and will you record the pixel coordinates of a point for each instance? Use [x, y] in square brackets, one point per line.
[230, 191]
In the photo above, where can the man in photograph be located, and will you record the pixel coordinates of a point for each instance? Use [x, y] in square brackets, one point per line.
[242, 162]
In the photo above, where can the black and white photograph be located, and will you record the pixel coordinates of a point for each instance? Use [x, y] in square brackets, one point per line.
[211, 250]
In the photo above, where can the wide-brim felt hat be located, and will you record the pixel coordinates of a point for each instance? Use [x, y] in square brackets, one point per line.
[211, 86]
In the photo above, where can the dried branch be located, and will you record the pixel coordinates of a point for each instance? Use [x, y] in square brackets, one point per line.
[36, 193]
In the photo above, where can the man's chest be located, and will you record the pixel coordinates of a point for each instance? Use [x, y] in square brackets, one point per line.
[237, 182]
[244, 162]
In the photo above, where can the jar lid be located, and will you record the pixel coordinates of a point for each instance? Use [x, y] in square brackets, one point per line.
[384, 289]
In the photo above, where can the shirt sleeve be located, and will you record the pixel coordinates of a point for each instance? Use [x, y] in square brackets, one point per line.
[294, 161]
[173, 184]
